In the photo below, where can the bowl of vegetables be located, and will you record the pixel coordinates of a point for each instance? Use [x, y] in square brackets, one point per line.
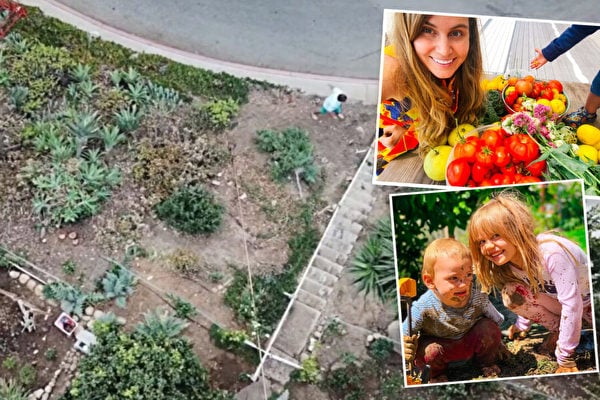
[522, 94]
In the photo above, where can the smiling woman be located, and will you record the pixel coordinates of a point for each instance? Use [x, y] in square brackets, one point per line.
[432, 67]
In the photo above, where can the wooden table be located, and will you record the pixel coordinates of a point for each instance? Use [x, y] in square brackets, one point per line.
[407, 169]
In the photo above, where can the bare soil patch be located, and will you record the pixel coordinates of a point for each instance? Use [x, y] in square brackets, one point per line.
[259, 221]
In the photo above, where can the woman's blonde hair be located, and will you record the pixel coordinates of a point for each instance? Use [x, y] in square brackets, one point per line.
[444, 247]
[433, 102]
[507, 215]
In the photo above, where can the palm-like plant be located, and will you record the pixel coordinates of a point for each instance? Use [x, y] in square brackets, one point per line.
[374, 268]
[11, 390]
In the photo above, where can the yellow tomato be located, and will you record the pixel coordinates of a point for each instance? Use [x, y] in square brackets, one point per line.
[557, 106]
[461, 131]
[588, 134]
[587, 153]
[545, 102]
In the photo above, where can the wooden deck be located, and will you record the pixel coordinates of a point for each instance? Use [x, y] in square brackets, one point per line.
[508, 47]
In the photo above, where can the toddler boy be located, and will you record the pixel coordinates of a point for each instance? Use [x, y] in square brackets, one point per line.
[455, 322]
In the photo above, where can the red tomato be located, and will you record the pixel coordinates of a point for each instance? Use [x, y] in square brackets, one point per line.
[522, 148]
[483, 156]
[547, 94]
[554, 84]
[501, 156]
[465, 150]
[526, 179]
[500, 179]
[479, 172]
[509, 170]
[458, 172]
[511, 98]
[536, 168]
[492, 138]
[523, 87]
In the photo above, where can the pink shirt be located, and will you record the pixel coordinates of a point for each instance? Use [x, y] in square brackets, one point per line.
[566, 279]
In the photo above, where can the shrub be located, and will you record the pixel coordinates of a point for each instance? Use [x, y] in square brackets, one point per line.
[183, 309]
[227, 339]
[27, 375]
[381, 349]
[291, 151]
[117, 284]
[192, 210]
[50, 354]
[309, 372]
[218, 114]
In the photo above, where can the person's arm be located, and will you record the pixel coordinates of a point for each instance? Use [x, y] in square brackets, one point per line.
[569, 38]
[564, 275]
[490, 311]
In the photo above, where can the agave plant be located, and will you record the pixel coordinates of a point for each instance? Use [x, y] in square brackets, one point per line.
[81, 72]
[138, 93]
[128, 119]
[111, 136]
[17, 96]
[83, 125]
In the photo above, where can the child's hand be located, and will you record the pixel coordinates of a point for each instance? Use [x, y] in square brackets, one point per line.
[391, 135]
[410, 347]
[513, 330]
[538, 60]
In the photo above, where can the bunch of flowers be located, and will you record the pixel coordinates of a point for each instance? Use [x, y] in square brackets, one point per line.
[540, 123]
[557, 143]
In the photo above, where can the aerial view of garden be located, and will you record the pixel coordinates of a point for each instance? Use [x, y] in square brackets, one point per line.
[157, 217]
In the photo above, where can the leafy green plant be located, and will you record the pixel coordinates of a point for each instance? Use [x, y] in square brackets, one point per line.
[44, 70]
[374, 267]
[27, 375]
[381, 349]
[81, 72]
[162, 97]
[183, 309]
[291, 152]
[69, 267]
[128, 119]
[12, 390]
[67, 192]
[72, 300]
[218, 114]
[18, 96]
[9, 363]
[118, 284]
[82, 126]
[50, 354]
[111, 136]
[192, 210]
[138, 93]
[227, 339]
[310, 372]
[160, 325]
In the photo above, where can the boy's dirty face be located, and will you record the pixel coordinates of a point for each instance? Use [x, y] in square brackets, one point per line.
[452, 280]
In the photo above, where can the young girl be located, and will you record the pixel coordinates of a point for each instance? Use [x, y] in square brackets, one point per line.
[431, 75]
[543, 278]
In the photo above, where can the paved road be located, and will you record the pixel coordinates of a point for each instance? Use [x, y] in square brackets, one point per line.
[337, 37]
[335, 42]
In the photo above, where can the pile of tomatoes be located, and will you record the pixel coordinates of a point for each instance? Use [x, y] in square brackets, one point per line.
[494, 158]
[550, 93]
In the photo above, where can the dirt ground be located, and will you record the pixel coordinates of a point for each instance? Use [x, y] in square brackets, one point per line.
[253, 236]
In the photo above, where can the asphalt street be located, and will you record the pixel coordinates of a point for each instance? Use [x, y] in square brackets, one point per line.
[332, 43]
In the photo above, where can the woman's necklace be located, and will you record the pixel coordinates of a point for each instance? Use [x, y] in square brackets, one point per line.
[448, 84]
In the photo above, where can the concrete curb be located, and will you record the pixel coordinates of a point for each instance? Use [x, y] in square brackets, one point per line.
[364, 90]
